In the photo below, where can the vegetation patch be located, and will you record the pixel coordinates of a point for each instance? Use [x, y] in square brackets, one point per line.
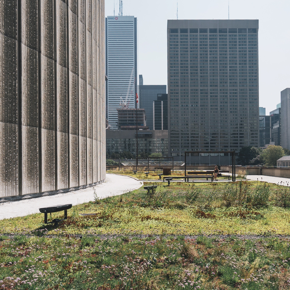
[149, 263]
[180, 209]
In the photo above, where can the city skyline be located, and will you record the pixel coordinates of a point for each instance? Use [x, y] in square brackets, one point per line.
[153, 53]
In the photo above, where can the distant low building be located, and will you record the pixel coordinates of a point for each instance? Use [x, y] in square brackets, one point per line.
[283, 162]
[127, 119]
[120, 142]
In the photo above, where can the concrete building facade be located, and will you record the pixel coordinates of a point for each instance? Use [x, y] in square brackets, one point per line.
[213, 85]
[121, 67]
[285, 118]
[52, 95]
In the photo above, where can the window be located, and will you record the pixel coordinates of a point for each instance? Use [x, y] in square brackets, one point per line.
[223, 30]
[213, 31]
[252, 30]
[242, 30]
[183, 30]
[173, 30]
[232, 30]
[202, 30]
[195, 30]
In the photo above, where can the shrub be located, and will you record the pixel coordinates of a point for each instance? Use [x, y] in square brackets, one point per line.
[282, 197]
[259, 197]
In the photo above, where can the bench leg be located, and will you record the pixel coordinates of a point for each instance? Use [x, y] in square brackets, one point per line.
[65, 214]
[45, 218]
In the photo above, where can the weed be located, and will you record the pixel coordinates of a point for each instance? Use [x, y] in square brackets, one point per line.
[192, 194]
[259, 196]
[282, 197]
[96, 198]
[21, 240]
[204, 241]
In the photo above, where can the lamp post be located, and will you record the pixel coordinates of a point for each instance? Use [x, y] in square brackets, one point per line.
[136, 106]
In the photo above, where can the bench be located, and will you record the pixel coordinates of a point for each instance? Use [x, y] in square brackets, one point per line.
[160, 175]
[199, 176]
[187, 177]
[200, 172]
[168, 179]
[146, 173]
[150, 189]
[56, 208]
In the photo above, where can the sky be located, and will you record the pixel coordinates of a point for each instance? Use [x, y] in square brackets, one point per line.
[274, 36]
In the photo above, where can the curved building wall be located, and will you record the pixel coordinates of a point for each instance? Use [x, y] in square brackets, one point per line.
[52, 95]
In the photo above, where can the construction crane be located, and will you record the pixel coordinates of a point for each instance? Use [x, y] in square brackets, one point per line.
[124, 103]
[120, 7]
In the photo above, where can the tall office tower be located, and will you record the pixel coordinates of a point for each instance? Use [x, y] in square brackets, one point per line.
[121, 41]
[264, 131]
[140, 80]
[52, 95]
[148, 94]
[213, 79]
[276, 126]
[285, 118]
[262, 111]
[160, 112]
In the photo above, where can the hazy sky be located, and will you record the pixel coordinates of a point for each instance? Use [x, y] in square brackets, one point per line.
[274, 36]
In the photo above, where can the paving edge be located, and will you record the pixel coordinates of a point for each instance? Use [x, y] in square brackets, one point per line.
[48, 193]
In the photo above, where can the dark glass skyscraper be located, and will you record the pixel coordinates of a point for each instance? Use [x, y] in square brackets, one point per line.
[160, 112]
[213, 85]
[148, 94]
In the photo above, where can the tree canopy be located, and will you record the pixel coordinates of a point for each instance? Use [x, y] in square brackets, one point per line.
[247, 154]
[271, 154]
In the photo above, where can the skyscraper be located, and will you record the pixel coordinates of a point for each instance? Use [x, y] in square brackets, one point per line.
[213, 85]
[121, 42]
[285, 118]
[160, 112]
[148, 94]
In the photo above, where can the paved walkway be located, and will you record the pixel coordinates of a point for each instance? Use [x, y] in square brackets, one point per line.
[114, 185]
[270, 179]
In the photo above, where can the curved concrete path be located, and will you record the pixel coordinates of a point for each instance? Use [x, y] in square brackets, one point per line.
[270, 179]
[114, 185]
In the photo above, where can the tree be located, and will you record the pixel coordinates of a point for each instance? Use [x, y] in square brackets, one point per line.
[271, 154]
[247, 154]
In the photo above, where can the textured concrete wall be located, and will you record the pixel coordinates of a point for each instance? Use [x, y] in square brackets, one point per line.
[52, 95]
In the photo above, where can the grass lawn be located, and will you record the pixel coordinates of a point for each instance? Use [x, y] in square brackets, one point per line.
[52, 259]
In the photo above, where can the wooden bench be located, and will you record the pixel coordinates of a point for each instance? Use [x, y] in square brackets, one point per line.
[146, 173]
[56, 208]
[150, 189]
[200, 172]
[199, 176]
[187, 177]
